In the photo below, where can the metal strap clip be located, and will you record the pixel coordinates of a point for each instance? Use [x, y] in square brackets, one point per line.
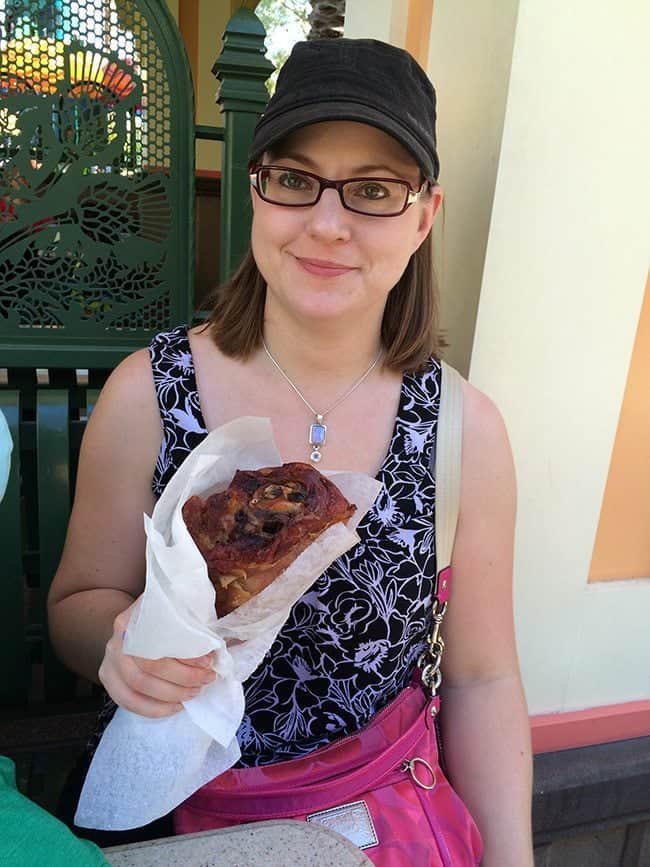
[410, 768]
[431, 658]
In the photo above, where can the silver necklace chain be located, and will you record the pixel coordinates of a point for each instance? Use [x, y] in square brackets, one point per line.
[318, 430]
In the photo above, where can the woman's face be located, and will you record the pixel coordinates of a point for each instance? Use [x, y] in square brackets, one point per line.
[325, 263]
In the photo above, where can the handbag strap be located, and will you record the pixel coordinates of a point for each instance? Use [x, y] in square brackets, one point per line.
[446, 463]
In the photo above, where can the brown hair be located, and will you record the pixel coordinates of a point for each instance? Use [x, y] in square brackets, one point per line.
[410, 330]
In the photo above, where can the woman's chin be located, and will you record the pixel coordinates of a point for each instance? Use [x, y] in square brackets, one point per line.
[329, 310]
[317, 304]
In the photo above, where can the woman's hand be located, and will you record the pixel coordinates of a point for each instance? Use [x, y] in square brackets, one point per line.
[150, 687]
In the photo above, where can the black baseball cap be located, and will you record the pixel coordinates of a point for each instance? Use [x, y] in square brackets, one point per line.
[362, 80]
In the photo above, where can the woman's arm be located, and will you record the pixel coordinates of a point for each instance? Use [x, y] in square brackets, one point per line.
[486, 735]
[103, 564]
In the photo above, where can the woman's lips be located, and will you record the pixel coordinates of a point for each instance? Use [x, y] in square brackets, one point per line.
[323, 267]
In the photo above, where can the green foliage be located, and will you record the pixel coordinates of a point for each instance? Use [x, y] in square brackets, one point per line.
[285, 22]
[280, 13]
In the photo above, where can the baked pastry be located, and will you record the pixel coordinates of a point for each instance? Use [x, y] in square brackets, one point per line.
[249, 533]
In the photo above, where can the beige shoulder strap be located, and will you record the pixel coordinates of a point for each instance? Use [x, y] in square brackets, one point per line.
[447, 463]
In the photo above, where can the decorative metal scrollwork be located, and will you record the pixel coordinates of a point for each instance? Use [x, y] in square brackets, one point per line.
[87, 211]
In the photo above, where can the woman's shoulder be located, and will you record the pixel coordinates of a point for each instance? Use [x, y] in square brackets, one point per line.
[123, 435]
[480, 413]
[127, 402]
[131, 379]
[482, 420]
[486, 452]
[134, 378]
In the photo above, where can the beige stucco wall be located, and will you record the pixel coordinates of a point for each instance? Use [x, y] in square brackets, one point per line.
[563, 284]
[469, 62]
[546, 230]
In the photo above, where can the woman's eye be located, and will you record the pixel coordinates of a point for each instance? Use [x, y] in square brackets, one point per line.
[292, 181]
[373, 191]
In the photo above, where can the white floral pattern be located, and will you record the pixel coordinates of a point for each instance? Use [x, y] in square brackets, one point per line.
[352, 641]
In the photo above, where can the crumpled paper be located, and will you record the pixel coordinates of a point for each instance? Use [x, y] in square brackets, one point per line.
[144, 767]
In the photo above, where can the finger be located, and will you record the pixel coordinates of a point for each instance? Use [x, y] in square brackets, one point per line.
[122, 620]
[166, 680]
[205, 661]
[159, 688]
[176, 671]
[145, 705]
[123, 695]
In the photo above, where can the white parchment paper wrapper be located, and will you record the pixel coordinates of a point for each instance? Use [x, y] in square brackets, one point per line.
[143, 768]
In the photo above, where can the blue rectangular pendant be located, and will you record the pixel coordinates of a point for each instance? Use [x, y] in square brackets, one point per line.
[317, 434]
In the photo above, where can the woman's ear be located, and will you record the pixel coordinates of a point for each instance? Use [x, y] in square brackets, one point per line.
[437, 197]
[428, 210]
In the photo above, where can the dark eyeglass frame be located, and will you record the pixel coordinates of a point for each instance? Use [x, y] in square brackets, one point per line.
[413, 194]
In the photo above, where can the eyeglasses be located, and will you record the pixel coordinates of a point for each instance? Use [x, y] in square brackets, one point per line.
[373, 197]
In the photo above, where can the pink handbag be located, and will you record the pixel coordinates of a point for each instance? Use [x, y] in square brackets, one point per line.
[382, 787]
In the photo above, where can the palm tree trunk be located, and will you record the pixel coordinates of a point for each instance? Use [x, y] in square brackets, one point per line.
[326, 19]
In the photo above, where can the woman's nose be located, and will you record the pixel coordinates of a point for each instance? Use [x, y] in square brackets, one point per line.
[328, 219]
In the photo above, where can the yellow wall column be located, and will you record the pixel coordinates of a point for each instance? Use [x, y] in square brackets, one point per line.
[557, 109]
[469, 62]
[213, 17]
[202, 23]
[376, 19]
[406, 23]
[418, 29]
[560, 302]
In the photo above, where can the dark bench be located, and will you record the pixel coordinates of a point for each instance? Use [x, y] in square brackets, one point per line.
[46, 421]
[46, 712]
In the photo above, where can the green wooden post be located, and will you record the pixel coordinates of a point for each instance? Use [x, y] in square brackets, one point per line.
[241, 69]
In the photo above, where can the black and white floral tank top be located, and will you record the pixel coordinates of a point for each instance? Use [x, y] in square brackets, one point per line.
[353, 639]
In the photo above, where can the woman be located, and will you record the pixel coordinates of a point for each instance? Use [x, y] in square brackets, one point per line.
[331, 320]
